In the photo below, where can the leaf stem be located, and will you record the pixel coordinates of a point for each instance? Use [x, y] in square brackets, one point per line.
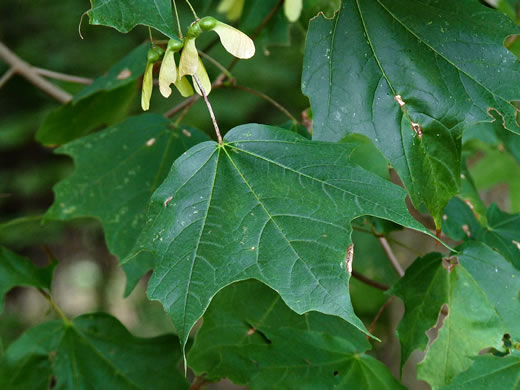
[378, 315]
[150, 34]
[178, 19]
[54, 305]
[6, 76]
[210, 109]
[192, 10]
[363, 279]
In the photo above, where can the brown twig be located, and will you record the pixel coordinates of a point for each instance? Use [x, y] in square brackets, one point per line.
[63, 76]
[210, 109]
[362, 278]
[6, 76]
[378, 315]
[267, 98]
[390, 254]
[27, 71]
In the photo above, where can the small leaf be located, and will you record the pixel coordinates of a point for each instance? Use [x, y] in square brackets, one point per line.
[116, 172]
[293, 9]
[270, 205]
[489, 372]
[502, 232]
[93, 352]
[235, 41]
[251, 337]
[16, 270]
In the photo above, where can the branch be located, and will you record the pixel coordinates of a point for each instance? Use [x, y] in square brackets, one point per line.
[362, 278]
[267, 98]
[378, 315]
[24, 69]
[62, 76]
[390, 254]
[6, 76]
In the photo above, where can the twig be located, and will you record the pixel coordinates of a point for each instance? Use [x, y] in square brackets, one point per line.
[210, 109]
[267, 98]
[6, 76]
[24, 69]
[54, 305]
[221, 67]
[362, 278]
[378, 315]
[390, 254]
[62, 76]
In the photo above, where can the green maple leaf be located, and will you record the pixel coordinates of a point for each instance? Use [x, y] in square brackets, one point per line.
[480, 289]
[489, 372]
[251, 337]
[116, 172]
[267, 204]
[16, 270]
[411, 75]
[502, 232]
[92, 352]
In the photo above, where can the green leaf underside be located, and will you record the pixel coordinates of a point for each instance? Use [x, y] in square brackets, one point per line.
[268, 205]
[116, 172]
[124, 15]
[490, 372]
[16, 270]
[93, 352]
[502, 233]
[445, 59]
[482, 297]
[251, 337]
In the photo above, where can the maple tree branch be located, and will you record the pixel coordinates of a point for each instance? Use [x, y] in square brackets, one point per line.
[6, 76]
[390, 254]
[210, 109]
[27, 71]
[363, 279]
[267, 98]
[62, 76]
[378, 315]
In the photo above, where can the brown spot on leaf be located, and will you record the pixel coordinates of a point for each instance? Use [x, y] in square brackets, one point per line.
[150, 142]
[350, 257]
[167, 201]
[399, 100]
[450, 262]
[251, 331]
[466, 230]
[470, 205]
[517, 244]
[418, 129]
[124, 74]
[186, 133]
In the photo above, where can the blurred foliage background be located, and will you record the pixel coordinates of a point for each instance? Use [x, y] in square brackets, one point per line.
[45, 34]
